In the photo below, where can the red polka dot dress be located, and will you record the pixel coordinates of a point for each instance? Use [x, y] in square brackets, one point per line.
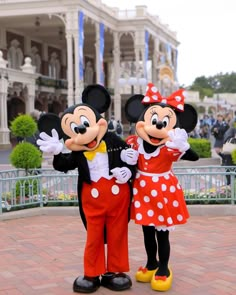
[158, 197]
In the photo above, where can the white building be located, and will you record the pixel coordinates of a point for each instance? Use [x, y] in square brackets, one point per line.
[51, 49]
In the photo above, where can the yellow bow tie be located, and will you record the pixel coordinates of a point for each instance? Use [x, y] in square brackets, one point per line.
[100, 149]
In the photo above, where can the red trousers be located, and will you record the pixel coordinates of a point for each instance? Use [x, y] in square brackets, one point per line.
[106, 204]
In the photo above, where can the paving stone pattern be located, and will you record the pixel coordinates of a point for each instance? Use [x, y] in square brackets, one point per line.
[42, 255]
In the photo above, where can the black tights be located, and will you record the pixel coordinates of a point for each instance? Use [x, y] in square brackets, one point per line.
[157, 241]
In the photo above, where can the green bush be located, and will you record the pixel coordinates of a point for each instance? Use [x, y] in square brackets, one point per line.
[27, 187]
[23, 126]
[25, 155]
[201, 146]
[233, 155]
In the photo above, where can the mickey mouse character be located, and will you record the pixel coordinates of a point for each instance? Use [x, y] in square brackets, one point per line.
[158, 203]
[104, 164]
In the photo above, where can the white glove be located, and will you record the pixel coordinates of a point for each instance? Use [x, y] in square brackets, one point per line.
[50, 144]
[179, 140]
[122, 174]
[129, 156]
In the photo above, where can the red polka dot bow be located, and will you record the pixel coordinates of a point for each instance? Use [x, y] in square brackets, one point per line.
[175, 100]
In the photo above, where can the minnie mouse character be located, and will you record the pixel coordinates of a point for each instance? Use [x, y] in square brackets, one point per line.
[158, 203]
[104, 164]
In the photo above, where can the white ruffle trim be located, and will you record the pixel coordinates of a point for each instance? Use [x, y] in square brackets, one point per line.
[142, 151]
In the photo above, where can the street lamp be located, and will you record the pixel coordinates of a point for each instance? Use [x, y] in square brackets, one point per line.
[132, 77]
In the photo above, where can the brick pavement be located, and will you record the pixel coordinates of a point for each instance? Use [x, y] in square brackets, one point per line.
[42, 255]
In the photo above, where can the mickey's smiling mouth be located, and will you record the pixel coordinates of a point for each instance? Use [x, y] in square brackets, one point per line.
[91, 144]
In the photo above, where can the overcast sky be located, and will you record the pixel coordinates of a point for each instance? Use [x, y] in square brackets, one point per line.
[206, 30]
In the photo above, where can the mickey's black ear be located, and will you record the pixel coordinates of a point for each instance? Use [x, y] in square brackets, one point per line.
[134, 108]
[50, 121]
[188, 118]
[97, 96]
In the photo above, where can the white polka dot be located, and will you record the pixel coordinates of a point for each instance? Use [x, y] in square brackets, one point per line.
[137, 204]
[115, 189]
[139, 216]
[160, 218]
[142, 183]
[146, 199]
[169, 220]
[166, 200]
[154, 97]
[150, 213]
[146, 99]
[178, 98]
[151, 224]
[159, 205]
[179, 217]
[163, 187]
[154, 193]
[137, 175]
[180, 107]
[175, 203]
[94, 193]
[135, 191]
[154, 89]
[146, 163]
[164, 101]
[155, 178]
[172, 189]
[145, 168]
[178, 186]
[167, 176]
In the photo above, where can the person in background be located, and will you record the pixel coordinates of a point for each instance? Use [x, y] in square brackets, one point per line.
[119, 129]
[227, 158]
[218, 130]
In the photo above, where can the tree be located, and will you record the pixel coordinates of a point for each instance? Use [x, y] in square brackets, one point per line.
[25, 155]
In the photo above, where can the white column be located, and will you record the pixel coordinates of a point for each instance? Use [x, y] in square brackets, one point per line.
[117, 96]
[70, 70]
[4, 131]
[70, 76]
[29, 98]
[155, 57]
[79, 85]
[97, 47]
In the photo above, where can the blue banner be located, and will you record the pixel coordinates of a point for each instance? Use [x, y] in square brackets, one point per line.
[81, 45]
[101, 53]
[146, 51]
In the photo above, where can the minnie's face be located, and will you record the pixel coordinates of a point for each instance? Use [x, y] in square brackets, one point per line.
[84, 130]
[156, 123]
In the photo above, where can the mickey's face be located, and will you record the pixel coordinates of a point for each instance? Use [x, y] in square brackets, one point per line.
[156, 123]
[84, 129]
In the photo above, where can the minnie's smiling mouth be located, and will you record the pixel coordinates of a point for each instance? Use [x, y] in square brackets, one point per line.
[155, 140]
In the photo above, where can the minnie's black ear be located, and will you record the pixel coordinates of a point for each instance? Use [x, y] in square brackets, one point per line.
[97, 96]
[50, 121]
[188, 119]
[134, 108]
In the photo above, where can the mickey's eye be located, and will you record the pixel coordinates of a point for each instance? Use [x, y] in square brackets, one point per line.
[154, 119]
[166, 121]
[85, 121]
[74, 127]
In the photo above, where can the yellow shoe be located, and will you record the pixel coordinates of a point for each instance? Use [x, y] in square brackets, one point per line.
[144, 275]
[159, 283]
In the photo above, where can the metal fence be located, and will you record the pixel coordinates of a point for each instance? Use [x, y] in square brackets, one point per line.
[48, 187]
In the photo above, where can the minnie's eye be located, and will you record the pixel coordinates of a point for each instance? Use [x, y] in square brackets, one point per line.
[74, 127]
[154, 119]
[85, 121]
[165, 121]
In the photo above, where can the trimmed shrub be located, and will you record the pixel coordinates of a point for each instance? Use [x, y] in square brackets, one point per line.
[23, 126]
[201, 146]
[25, 155]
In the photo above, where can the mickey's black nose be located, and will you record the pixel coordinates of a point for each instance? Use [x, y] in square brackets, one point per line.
[80, 129]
